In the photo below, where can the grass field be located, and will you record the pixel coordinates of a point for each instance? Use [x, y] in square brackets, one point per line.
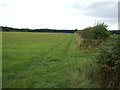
[44, 60]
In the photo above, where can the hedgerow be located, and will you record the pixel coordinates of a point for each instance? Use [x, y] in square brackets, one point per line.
[108, 61]
[93, 37]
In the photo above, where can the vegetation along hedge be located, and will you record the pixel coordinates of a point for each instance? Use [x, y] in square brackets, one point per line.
[108, 61]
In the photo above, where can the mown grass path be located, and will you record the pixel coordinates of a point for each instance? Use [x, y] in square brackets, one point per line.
[44, 60]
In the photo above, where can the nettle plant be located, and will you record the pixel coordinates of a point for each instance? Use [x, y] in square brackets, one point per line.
[108, 61]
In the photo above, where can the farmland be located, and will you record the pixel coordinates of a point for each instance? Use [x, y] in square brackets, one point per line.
[44, 60]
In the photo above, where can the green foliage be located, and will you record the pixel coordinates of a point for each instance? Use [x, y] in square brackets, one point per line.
[108, 61]
[100, 32]
[94, 36]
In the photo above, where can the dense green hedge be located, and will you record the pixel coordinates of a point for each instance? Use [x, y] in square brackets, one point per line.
[93, 36]
[108, 62]
[96, 32]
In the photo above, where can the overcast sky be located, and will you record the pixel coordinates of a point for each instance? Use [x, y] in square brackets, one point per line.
[58, 14]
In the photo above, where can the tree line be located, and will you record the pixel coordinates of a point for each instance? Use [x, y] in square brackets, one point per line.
[10, 29]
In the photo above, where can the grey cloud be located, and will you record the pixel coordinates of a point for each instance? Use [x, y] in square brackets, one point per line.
[106, 10]
[102, 9]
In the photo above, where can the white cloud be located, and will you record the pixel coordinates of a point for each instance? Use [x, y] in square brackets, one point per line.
[58, 14]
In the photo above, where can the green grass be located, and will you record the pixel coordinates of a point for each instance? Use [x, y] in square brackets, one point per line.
[44, 60]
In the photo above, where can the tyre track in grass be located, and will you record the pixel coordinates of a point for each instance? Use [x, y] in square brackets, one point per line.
[36, 58]
[68, 47]
[64, 49]
[58, 45]
[33, 63]
[52, 67]
[53, 49]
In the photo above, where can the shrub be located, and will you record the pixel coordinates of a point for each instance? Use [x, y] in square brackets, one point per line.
[100, 32]
[94, 36]
[108, 62]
